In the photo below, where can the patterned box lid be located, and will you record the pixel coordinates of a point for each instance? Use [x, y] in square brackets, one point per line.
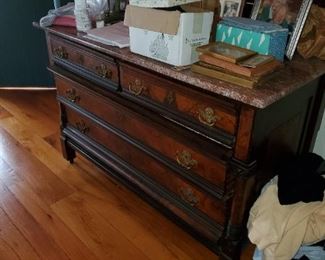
[252, 25]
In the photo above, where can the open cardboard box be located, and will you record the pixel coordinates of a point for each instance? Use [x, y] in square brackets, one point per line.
[160, 3]
[168, 36]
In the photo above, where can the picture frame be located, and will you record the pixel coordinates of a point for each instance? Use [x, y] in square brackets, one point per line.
[230, 8]
[291, 14]
[225, 51]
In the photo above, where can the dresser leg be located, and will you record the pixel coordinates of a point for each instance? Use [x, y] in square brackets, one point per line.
[229, 250]
[68, 153]
[230, 246]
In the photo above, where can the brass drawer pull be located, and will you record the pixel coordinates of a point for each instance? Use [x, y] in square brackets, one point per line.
[61, 52]
[71, 95]
[188, 195]
[136, 87]
[207, 116]
[103, 71]
[82, 127]
[185, 159]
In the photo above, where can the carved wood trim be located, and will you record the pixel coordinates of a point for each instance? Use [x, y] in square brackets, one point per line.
[244, 135]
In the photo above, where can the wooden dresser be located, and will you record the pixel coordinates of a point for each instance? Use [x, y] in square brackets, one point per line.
[192, 146]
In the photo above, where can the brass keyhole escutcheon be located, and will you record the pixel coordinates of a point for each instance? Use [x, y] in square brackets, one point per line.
[170, 98]
[82, 127]
[81, 58]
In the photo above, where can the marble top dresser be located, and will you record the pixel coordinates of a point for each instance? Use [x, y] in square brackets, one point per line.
[195, 147]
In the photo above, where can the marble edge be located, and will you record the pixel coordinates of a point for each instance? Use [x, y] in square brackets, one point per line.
[259, 97]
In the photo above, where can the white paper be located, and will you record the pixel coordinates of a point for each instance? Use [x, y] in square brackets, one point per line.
[114, 35]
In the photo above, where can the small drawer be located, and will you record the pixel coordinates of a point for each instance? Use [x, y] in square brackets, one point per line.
[84, 62]
[180, 152]
[197, 108]
[189, 194]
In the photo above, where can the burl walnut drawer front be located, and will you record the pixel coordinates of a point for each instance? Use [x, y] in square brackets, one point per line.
[188, 193]
[198, 108]
[84, 62]
[175, 148]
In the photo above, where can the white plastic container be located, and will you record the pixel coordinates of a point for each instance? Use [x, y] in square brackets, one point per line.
[83, 20]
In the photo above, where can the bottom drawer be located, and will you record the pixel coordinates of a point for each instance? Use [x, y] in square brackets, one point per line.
[134, 154]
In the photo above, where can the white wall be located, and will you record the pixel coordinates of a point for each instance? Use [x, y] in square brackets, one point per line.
[319, 147]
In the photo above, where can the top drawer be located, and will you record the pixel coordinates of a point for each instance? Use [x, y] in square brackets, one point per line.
[196, 110]
[86, 63]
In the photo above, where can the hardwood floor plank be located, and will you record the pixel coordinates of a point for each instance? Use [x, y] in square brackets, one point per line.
[43, 214]
[186, 247]
[132, 215]
[145, 237]
[33, 115]
[45, 184]
[38, 151]
[44, 245]
[4, 113]
[13, 245]
[95, 231]
[54, 141]
[6, 252]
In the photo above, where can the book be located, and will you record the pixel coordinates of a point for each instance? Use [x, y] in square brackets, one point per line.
[254, 70]
[226, 52]
[115, 35]
[256, 60]
[210, 70]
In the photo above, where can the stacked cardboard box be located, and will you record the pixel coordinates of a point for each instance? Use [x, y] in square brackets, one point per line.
[170, 35]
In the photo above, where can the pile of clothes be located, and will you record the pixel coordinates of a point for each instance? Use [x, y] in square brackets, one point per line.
[288, 218]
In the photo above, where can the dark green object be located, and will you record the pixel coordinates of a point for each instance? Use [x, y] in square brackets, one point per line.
[23, 51]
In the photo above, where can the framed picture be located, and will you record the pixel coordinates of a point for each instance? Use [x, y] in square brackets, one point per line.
[230, 8]
[290, 14]
[225, 51]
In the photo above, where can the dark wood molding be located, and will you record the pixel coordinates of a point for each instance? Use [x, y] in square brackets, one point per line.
[246, 122]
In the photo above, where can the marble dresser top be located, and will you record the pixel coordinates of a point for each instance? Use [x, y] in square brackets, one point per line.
[294, 75]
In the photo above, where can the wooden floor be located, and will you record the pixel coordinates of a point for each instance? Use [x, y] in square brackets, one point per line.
[51, 209]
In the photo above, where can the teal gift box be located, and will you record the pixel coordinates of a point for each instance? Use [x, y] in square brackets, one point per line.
[262, 37]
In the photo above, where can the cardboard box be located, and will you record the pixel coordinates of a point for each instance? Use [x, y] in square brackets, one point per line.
[160, 3]
[168, 36]
[262, 37]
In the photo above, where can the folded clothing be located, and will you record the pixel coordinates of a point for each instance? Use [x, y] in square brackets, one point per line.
[280, 230]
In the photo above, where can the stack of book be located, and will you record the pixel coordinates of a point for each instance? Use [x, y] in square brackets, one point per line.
[233, 64]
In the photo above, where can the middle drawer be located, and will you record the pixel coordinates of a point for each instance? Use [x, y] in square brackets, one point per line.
[181, 153]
